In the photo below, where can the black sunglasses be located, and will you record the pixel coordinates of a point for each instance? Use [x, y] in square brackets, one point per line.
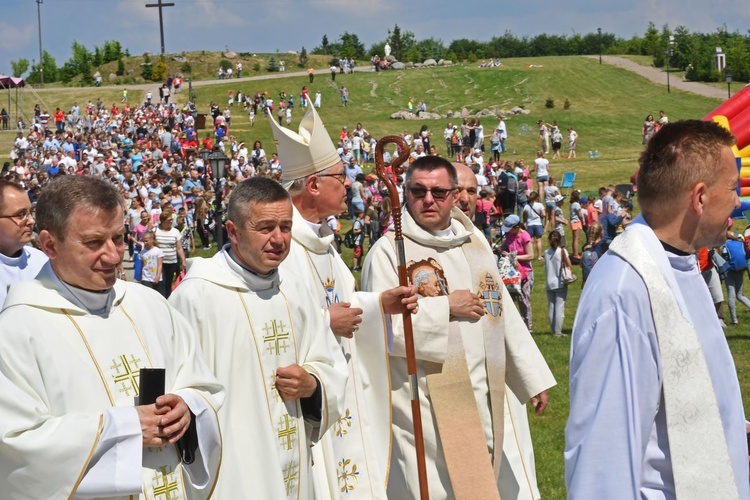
[439, 194]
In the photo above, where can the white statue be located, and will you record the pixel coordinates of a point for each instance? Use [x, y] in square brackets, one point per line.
[387, 49]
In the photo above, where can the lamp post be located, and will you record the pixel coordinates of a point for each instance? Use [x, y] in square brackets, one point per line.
[218, 165]
[729, 84]
[41, 57]
[600, 44]
[668, 53]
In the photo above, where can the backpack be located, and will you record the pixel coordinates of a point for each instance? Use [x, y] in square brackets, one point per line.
[734, 253]
[588, 258]
[349, 239]
[454, 140]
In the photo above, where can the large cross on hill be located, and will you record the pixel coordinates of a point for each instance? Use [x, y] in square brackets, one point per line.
[160, 6]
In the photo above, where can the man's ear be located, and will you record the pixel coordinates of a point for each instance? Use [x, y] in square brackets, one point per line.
[699, 198]
[312, 184]
[48, 243]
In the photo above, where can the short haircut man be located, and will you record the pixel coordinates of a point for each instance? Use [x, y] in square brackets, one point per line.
[266, 341]
[18, 260]
[462, 297]
[656, 409]
[72, 399]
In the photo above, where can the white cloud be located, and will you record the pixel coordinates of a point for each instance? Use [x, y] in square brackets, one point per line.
[16, 37]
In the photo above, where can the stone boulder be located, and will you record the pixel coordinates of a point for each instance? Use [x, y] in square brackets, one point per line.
[447, 62]
[231, 55]
[112, 77]
[430, 62]
[390, 58]
[398, 65]
[525, 111]
[441, 62]
[430, 116]
[401, 115]
[180, 59]
[410, 64]
[464, 113]
[516, 110]
[418, 65]
[449, 114]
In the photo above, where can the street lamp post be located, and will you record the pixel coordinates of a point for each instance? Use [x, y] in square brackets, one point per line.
[729, 83]
[218, 165]
[41, 57]
[600, 44]
[668, 53]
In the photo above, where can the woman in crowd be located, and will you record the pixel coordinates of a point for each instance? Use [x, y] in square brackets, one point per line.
[534, 216]
[168, 239]
[576, 220]
[519, 241]
[648, 129]
[550, 192]
[358, 193]
[555, 258]
[594, 249]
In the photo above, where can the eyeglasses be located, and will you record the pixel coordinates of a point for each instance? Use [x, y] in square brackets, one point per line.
[18, 218]
[438, 194]
[339, 177]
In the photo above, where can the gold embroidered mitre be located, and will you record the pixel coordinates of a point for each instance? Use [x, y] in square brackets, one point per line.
[307, 152]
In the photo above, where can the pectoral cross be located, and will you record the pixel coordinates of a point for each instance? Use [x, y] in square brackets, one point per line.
[160, 6]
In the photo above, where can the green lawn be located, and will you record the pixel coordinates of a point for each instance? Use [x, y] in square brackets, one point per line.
[607, 107]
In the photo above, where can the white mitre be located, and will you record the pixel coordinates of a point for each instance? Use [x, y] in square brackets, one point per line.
[307, 152]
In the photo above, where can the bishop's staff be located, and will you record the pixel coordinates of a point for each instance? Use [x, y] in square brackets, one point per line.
[411, 360]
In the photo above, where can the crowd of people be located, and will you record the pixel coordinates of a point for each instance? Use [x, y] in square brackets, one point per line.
[298, 378]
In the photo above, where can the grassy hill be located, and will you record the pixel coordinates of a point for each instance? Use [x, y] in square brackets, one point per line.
[607, 107]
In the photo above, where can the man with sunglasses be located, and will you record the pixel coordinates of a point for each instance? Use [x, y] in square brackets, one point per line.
[18, 260]
[468, 338]
[351, 460]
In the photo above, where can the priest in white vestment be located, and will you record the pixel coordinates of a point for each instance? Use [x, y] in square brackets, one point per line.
[655, 405]
[351, 461]
[18, 260]
[264, 337]
[517, 479]
[71, 345]
[469, 343]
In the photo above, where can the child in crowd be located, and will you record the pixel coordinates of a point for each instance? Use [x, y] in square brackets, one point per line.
[358, 228]
[559, 217]
[152, 257]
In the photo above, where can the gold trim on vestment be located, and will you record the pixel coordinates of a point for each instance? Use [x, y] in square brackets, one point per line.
[390, 393]
[88, 459]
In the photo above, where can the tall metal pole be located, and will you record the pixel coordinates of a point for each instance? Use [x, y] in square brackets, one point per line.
[600, 44]
[668, 71]
[41, 59]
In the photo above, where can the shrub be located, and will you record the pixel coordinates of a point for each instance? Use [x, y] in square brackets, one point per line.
[549, 103]
[256, 66]
[567, 104]
[272, 66]
[225, 64]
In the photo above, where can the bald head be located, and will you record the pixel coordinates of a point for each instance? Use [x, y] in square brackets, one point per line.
[467, 190]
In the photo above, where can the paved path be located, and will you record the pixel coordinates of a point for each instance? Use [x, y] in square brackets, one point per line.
[658, 75]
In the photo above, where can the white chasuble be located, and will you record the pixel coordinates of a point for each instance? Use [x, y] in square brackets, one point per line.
[496, 350]
[351, 460]
[248, 327]
[62, 367]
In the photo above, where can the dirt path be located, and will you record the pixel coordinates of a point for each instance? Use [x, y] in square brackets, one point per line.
[657, 75]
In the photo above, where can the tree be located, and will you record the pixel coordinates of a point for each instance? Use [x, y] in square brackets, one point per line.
[120, 67]
[273, 66]
[303, 58]
[159, 73]
[324, 44]
[147, 69]
[20, 67]
[49, 65]
[351, 47]
[225, 64]
[400, 42]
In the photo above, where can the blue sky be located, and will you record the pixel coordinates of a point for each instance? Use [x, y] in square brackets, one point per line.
[268, 25]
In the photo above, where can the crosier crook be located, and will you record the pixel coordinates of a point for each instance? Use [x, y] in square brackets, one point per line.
[411, 360]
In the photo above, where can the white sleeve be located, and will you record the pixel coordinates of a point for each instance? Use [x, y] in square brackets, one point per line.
[208, 436]
[116, 467]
